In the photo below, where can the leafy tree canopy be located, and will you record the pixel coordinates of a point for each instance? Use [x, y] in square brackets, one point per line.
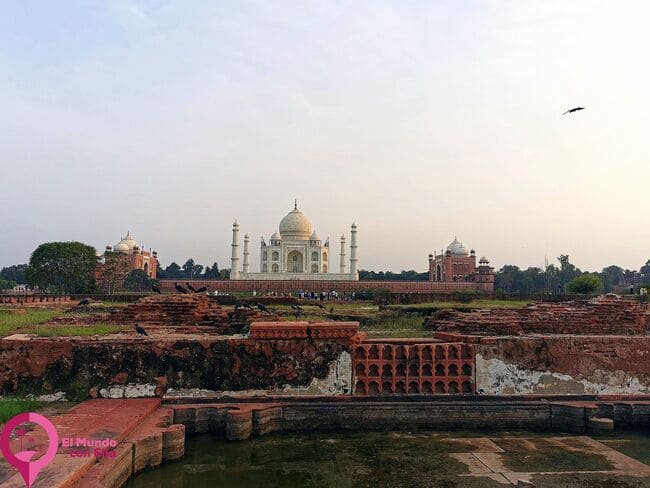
[137, 280]
[14, 273]
[69, 266]
[585, 284]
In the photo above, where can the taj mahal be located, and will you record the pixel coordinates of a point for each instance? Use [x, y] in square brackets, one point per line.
[294, 252]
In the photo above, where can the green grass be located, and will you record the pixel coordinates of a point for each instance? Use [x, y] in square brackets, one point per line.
[78, 330]
[11, 407]
[403, 326]
[10, 321]
[481, 303]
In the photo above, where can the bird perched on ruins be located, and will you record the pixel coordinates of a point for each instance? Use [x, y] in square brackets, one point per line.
[140, 330]
[572, 110]
[320, 306]
[263, 308]
[155, 287]
[203, 289]
[191, 288]
[85, 301]
[180, 289]
[297, 308]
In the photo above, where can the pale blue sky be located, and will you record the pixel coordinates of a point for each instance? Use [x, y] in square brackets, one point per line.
[418, 120]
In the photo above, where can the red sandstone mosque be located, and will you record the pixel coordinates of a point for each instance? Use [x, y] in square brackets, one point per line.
[128, 251]
[459, 264]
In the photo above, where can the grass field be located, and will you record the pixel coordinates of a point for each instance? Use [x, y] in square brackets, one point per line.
[482, 303]
[10, 321]
[11, 407]
[78, 330]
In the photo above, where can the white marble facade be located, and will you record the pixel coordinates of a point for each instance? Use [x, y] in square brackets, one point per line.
[294, 252]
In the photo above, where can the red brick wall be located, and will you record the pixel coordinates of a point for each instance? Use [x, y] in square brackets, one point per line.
[288, 286]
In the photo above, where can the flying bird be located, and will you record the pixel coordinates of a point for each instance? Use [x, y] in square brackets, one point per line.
[140, 330]
[191, 288]
[180, 289]
[575, 109]
[155, 287]
[262, 308]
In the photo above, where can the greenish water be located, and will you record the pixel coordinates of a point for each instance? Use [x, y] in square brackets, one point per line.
[376, 459]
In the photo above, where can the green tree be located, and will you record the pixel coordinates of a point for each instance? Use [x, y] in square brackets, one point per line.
[612, 276]
[137, 280]
[14, 273]
[191, 270]
[585, 284]
[212, 273]
[70, 266]
[173, 271]
[6, 284]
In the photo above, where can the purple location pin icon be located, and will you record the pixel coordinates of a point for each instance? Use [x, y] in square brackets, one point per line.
[29, 469]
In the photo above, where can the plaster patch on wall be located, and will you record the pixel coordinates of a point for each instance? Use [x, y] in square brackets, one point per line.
[337, 382]
[131, 390]
[496, 377]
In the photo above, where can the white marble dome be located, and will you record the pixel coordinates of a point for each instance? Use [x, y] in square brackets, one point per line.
[295, 225]
[457, 248]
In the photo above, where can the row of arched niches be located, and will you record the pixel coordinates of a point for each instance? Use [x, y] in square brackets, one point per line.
[385, 369]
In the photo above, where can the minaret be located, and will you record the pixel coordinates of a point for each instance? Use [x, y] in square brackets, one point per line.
[353, 252]
[234, 260]
[246, 266]
[342, 262]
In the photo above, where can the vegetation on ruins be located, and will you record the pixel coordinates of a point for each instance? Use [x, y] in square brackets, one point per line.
[68, 267]
[10, 407]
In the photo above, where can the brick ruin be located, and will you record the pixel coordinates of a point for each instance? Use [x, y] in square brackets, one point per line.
[399, 367]
[609, 314]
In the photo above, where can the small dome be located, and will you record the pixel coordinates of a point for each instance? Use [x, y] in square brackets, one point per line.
[121, 247]
[457, 248]
[314, 236]
[275, 236]
[295, 225]
[484, 260]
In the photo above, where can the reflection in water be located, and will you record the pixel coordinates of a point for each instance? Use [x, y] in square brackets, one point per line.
[340, 460]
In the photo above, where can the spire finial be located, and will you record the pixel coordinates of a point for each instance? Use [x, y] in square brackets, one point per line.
[295, 204]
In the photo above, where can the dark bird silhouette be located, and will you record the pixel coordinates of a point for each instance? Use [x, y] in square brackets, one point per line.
[247, 305]
[155, 287]
[320, 306]
[238, 305]
[203, 289]
[85, 301]
[572, 110]
[297, 307]
[180, 289]
[140, 330]
[191, 288]
[262, 308]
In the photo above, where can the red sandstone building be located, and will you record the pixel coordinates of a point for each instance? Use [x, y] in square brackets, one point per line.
[457, 264]
[117, 261]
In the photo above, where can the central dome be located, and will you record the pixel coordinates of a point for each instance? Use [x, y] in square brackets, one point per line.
[295, 226]
[457, 248]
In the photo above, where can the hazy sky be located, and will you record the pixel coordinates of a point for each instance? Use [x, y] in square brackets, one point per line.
[419, 120]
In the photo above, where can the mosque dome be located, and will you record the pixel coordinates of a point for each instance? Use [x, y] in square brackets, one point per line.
[275, 236]
[314, 236]
[121, 247]
[126, 244]
[295, 225]
[457, 248]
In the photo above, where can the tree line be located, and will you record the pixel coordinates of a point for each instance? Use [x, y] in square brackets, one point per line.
[71, 267]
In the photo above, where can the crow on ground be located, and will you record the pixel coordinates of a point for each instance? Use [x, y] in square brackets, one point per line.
[140, 330]
[262, 308]
[191, 288]
[180, 289]
[203, 289]
[155, 287]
